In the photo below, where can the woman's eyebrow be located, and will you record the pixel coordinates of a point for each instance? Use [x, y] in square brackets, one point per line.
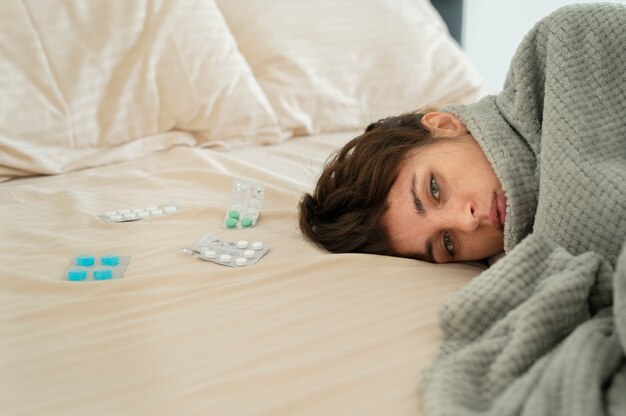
[419, 207]
[417, 203]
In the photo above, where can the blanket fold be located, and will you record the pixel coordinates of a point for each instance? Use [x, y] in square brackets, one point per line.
[534, 336]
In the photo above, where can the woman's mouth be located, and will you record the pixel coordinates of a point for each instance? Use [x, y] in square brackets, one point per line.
[497, 213]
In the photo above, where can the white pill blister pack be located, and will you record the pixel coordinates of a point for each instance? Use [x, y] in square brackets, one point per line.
[244, 205]
[135, 214]
[232, 253]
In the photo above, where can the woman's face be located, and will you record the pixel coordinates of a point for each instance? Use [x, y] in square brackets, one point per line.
[447, 203]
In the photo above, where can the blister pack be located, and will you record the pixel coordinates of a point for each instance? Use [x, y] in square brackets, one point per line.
[89, 267]
[244, 205]
[135, 214]
[239, 253]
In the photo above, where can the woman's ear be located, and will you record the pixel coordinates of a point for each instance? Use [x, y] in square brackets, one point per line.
[443, 123]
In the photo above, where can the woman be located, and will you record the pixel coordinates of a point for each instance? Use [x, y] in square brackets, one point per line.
[547, 155]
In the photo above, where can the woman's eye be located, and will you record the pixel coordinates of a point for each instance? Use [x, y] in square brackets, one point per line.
[434, 188]
[448, 244]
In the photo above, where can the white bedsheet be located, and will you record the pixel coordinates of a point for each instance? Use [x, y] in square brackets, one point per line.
[302, 332]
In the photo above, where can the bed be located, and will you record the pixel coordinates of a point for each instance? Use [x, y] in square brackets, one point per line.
[110, 105]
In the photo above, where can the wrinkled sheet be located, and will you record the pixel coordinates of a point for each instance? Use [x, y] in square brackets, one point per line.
[302, 332]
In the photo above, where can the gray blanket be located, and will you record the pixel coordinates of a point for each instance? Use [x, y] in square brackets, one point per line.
[534, 335]
[543, 331]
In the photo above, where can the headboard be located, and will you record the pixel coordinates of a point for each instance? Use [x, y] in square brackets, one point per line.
[452, 13]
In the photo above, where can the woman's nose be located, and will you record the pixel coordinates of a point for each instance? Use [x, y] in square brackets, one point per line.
[462, 216]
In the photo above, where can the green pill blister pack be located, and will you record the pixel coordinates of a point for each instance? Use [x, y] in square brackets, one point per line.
[244, 205]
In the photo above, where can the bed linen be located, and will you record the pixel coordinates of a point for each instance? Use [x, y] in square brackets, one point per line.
[109, 105]
[302, 332]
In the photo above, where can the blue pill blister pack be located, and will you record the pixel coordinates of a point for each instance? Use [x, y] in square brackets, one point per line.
[86, 267]
[135, 214]
[244, 205]
[232, 253]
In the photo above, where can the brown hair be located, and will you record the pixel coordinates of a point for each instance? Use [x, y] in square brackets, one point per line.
[345, 212]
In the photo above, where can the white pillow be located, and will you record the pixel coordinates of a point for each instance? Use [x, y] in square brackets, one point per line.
[82, 77]
[329, 65]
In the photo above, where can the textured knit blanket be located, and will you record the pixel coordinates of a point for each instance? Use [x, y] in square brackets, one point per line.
[534, 335]
[543, 331]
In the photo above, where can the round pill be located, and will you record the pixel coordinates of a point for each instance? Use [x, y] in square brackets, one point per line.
[233, 214]
[130, 216]
[231, 223]
[124, 211]
[241, 261]
[225, 258]
[257, 245]
[103, 273]
[246, 222]
[242, 243]
[110, 260]
[210, 254]
[85, 260]
[76, 274]
[249, 254]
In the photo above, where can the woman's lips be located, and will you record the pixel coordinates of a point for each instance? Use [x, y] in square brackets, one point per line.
[501, 202]
[497, 213]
